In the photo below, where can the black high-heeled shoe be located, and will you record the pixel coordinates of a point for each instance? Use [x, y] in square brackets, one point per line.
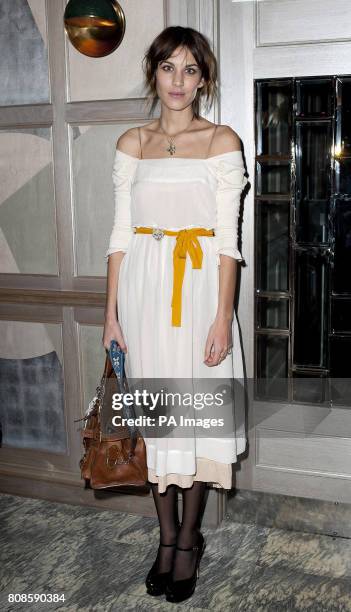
[156, 582]
[179, 590]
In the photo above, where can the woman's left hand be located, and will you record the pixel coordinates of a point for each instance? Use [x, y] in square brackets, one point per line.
[219, 341]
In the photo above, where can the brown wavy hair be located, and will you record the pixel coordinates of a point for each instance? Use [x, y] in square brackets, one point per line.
[162, 48]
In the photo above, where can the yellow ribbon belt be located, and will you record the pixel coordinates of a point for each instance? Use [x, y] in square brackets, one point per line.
[187, 242]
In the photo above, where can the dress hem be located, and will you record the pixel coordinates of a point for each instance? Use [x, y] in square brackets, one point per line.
[216, 474]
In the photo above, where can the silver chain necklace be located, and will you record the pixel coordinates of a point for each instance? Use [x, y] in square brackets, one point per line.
[171, 149]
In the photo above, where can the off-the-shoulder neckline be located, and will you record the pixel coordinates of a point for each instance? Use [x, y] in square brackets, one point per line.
[173, 158]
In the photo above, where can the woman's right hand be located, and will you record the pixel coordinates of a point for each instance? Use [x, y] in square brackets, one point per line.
[113, 331]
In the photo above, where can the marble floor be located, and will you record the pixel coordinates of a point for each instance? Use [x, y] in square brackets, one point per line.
[99, 560]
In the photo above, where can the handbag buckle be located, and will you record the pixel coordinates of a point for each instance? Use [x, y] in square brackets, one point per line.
[118, 460]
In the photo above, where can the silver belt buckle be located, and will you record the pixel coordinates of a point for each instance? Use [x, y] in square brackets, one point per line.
[157, 233]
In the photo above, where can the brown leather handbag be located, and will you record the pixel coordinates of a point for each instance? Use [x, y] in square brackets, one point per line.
[115, 455]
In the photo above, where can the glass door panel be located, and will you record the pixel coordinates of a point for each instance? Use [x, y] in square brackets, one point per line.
[315, 97]
[342, 248]
[313, 174]
[273, 313]
[309, 389]
[341, 315]
[310, 318]
[345, 95]
[343, 176]
[272, 366]
[273, 245]
[273, 117]
[340, 369]
[273, 178]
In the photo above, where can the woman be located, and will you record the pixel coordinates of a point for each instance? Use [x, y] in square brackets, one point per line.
[174, 292]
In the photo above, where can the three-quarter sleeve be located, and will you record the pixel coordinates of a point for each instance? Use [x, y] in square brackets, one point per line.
[230, 183]
[122, 175]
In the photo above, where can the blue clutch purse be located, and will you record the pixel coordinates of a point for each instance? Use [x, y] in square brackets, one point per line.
[117, 357]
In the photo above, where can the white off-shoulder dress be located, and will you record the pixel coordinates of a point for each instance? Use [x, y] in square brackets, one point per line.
[176, 193]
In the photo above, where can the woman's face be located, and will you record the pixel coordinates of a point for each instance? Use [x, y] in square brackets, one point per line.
[178, 79]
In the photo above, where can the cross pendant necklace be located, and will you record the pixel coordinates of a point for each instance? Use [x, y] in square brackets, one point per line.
[171, 149]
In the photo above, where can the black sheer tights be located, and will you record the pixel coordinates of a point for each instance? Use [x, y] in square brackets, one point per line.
[188, 536]
[184, 561]
[167, 512]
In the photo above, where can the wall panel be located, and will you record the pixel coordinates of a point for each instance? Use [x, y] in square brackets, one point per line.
[28, 240]
[24, 58]
[288, 22]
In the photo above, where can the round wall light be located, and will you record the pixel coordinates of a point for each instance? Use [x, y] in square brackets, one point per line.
[94, 27]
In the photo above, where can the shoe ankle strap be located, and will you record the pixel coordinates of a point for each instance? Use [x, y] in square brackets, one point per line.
[196, 547]
[192, 548]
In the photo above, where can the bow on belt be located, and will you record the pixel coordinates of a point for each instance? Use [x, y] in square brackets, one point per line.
[186, 242]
